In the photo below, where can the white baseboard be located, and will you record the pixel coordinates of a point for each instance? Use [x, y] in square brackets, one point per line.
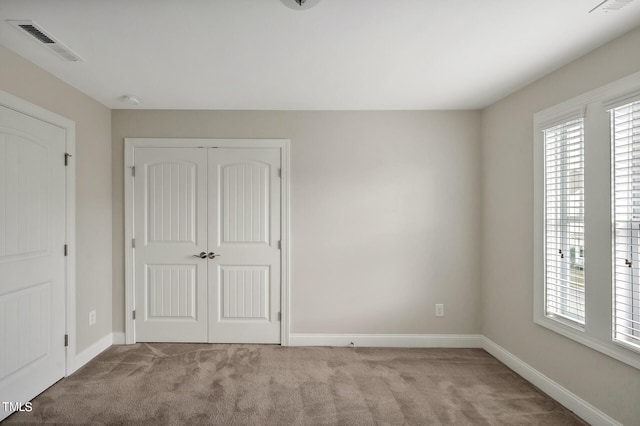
[389, 340]
[564, 396]
[118, 338]
[92, 351]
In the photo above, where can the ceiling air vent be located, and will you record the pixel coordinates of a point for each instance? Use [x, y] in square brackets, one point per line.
[50, 42]
[608, 5]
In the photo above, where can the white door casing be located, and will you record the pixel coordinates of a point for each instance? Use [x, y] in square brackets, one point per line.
[246, 228]
[35, 281]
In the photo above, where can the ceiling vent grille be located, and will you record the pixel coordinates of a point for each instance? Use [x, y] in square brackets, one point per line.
[609, 5]
[616, 4]
[50, 42]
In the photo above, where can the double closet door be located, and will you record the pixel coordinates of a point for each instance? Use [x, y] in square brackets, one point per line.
[207, 257]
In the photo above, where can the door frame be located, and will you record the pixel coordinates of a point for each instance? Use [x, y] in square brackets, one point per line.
[20, 105]
[130, 144]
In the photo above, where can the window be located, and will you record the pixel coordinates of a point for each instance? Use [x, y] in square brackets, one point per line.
[564, 221]
[625, 135]
[587, 219]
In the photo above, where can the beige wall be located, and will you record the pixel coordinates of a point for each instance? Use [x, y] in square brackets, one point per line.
[507, 241]
[384, 212]
[93, 185]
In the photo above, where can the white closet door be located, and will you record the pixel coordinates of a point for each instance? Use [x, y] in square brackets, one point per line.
[170, 226]
[32, 267]
[244, 230]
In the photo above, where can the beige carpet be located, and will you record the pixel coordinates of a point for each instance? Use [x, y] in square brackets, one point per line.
[184, 384]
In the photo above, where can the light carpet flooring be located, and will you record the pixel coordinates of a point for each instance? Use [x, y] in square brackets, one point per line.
[202, 384]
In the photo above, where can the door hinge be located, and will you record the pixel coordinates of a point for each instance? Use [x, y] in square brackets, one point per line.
[66, 340]
[133, 243]
[279, 244]
[66, 158]
[66, 250]
[133, 171]
[279, 172]
[133, 315]
[279, 316]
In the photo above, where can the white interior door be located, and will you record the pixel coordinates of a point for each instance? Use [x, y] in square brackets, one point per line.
[170, 226]
[244, 231]
[223, 204]
[32, 267]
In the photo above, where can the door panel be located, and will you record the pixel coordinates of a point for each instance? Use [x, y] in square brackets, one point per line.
[26, 197]
[171, 213]
[171, 216]
[245, 203]
[171, 291]
[244, 292]
[28, 311]
[32, 237]
[244, 229]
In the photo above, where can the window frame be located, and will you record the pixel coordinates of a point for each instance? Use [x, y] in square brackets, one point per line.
[633, 342]
[597, 332]
[561, 218]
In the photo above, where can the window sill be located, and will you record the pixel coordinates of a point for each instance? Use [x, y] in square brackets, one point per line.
[614, 350]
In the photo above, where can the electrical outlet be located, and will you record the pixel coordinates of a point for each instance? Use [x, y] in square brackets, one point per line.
[439, 310]
[92, 317]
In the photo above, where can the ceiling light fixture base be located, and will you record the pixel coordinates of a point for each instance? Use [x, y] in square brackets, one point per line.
[300, 4]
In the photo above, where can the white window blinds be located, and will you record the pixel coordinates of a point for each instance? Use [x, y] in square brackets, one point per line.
[626, 214]
[564, 221]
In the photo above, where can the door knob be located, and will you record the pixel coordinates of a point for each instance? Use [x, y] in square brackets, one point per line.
[212, 255]
[202, 255]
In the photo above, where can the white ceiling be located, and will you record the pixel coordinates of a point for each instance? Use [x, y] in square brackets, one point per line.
[340, 54]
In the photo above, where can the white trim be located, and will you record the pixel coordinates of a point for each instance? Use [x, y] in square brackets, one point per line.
[71, 250]
[608, 92]
[612, 349]
[81, 359]
[285, 235]
[556, 391]
[205, 143]
[389, 340]
[118, 338]
[627, 98]
[546, 120]
[129, 160]
[69, 126]
[93, 351]
[129, 253]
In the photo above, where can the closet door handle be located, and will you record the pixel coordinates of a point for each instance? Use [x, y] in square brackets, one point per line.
[202, 255]
[212, 255]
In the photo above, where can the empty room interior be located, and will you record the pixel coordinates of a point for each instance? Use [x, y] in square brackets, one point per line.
[320, 212]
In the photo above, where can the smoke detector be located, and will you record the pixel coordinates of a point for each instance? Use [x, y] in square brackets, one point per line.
[130, 99]
[45, 39]
[300, 4]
